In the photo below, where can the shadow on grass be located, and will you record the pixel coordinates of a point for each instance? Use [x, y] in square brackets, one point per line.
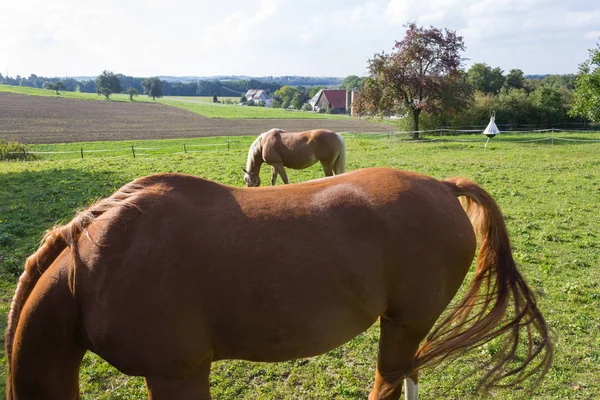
[33, 202]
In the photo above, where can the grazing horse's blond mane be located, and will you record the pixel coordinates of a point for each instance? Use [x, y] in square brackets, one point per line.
[254, 151]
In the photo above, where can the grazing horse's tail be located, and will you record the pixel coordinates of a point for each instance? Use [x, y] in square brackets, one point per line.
[339, 167]
[486, 312]
[53, 244]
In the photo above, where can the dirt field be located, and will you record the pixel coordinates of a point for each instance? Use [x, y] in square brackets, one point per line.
[32, 119]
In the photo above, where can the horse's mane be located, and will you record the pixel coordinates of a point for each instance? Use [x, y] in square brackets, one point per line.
[67, 235]
[255, 150]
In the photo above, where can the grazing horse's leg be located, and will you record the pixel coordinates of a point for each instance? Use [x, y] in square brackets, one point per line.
[273, 176]
[397, 347]
[328, 169]
[195, 386]
[281, 171]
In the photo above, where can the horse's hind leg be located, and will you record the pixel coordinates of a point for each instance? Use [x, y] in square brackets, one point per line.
[46, 354]
[398, 345]
[328, 169]
[195, 387]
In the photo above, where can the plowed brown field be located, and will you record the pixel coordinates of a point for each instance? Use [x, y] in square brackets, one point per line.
[32, 119]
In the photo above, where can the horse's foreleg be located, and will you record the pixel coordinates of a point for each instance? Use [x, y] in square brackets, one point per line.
[195, 386]
[273, 176]
[46, 354]
[397, 347]
[281, 171]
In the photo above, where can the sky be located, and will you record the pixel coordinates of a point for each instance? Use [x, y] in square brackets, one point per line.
[282, 37]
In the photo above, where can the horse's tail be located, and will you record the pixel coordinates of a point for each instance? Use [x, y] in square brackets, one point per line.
[485, 312]
[53, 244]
[339, 167]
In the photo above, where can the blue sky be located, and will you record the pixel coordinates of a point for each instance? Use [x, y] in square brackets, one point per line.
[282, 37]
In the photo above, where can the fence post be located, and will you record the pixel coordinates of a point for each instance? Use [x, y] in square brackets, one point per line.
[24, 154]
[228, 145]
[184, 148]
[552, 136]
[133, 151]
[81, 149]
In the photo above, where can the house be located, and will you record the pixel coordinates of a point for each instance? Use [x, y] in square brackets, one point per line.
[258, 95]
[314, 99]
[338, 100]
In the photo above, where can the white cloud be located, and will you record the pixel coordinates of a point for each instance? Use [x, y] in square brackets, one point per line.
[276, 37]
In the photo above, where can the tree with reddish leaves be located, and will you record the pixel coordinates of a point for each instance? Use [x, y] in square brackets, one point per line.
[423, 73]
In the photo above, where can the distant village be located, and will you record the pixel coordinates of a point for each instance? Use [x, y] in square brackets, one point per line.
[337, 101]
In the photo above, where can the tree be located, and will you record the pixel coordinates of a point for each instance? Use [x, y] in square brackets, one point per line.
[314, 90]
[108, 83]
[132, 92]
[485, 79]
[586, 98]
[286, 95]
[352, 82]
[297, 101]
[421, 74]
[515, 79]
[54, 86]
[153, 87]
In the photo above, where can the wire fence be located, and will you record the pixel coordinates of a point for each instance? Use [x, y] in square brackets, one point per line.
[551, 136]
[133, 151]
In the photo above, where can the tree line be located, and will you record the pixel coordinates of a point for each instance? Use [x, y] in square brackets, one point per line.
[193, 88]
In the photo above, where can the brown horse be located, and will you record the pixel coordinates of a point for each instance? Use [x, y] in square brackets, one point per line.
[173, 272]
[296, 150]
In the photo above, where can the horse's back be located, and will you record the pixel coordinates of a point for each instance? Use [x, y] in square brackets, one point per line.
[299, 150]
[202, 270]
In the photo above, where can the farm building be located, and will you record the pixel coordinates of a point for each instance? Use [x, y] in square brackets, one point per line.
[314, 99]
[258, 95]
[338, 100]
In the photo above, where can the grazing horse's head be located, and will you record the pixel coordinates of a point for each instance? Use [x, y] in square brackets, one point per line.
[251, 179]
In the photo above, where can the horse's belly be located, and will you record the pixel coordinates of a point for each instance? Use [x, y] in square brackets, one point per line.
[270, 340]
[300, 164]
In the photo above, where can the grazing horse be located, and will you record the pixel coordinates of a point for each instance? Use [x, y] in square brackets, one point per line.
[296, 150]
[173, 272]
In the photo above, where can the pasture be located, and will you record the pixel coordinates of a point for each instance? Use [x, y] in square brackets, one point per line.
[548, 193]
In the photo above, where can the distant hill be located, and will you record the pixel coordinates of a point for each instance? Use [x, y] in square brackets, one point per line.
[292, 80]
[536, 76]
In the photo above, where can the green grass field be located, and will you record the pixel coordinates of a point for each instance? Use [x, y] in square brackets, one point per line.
[199, 105]
[549, 195]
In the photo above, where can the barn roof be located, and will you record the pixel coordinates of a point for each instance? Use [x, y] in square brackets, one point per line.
[337, 98]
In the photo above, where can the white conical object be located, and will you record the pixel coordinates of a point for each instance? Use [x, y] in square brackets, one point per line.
[491, 130]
